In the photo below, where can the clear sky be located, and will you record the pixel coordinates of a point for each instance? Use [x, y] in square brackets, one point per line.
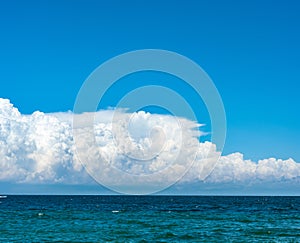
[250, 49]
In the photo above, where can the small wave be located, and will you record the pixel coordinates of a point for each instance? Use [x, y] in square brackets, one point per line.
[115, 211]
[3, 196]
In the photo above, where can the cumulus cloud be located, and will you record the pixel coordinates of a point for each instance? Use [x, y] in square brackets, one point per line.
[35, 148]
[42, 148]
[233, 168]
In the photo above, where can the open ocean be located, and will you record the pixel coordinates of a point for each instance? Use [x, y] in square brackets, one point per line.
[149, 218]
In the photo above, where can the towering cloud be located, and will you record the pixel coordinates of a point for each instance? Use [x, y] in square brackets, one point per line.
[40, 148]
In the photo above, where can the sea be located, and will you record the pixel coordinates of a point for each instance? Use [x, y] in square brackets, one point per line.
[149, 218]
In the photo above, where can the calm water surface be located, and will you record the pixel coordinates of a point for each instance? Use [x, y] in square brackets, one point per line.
[149, 218]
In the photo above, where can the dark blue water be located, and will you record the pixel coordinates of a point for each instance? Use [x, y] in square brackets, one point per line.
[149, 218]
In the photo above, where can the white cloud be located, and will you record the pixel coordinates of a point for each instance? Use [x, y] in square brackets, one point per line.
[233, 168]
[35, 148]
[39, 148]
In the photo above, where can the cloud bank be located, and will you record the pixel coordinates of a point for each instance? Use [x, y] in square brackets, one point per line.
[40, 149]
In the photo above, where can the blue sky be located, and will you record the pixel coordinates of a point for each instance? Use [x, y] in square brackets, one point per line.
[250, 49]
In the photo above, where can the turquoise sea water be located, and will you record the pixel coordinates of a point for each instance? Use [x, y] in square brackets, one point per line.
[149, 218]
